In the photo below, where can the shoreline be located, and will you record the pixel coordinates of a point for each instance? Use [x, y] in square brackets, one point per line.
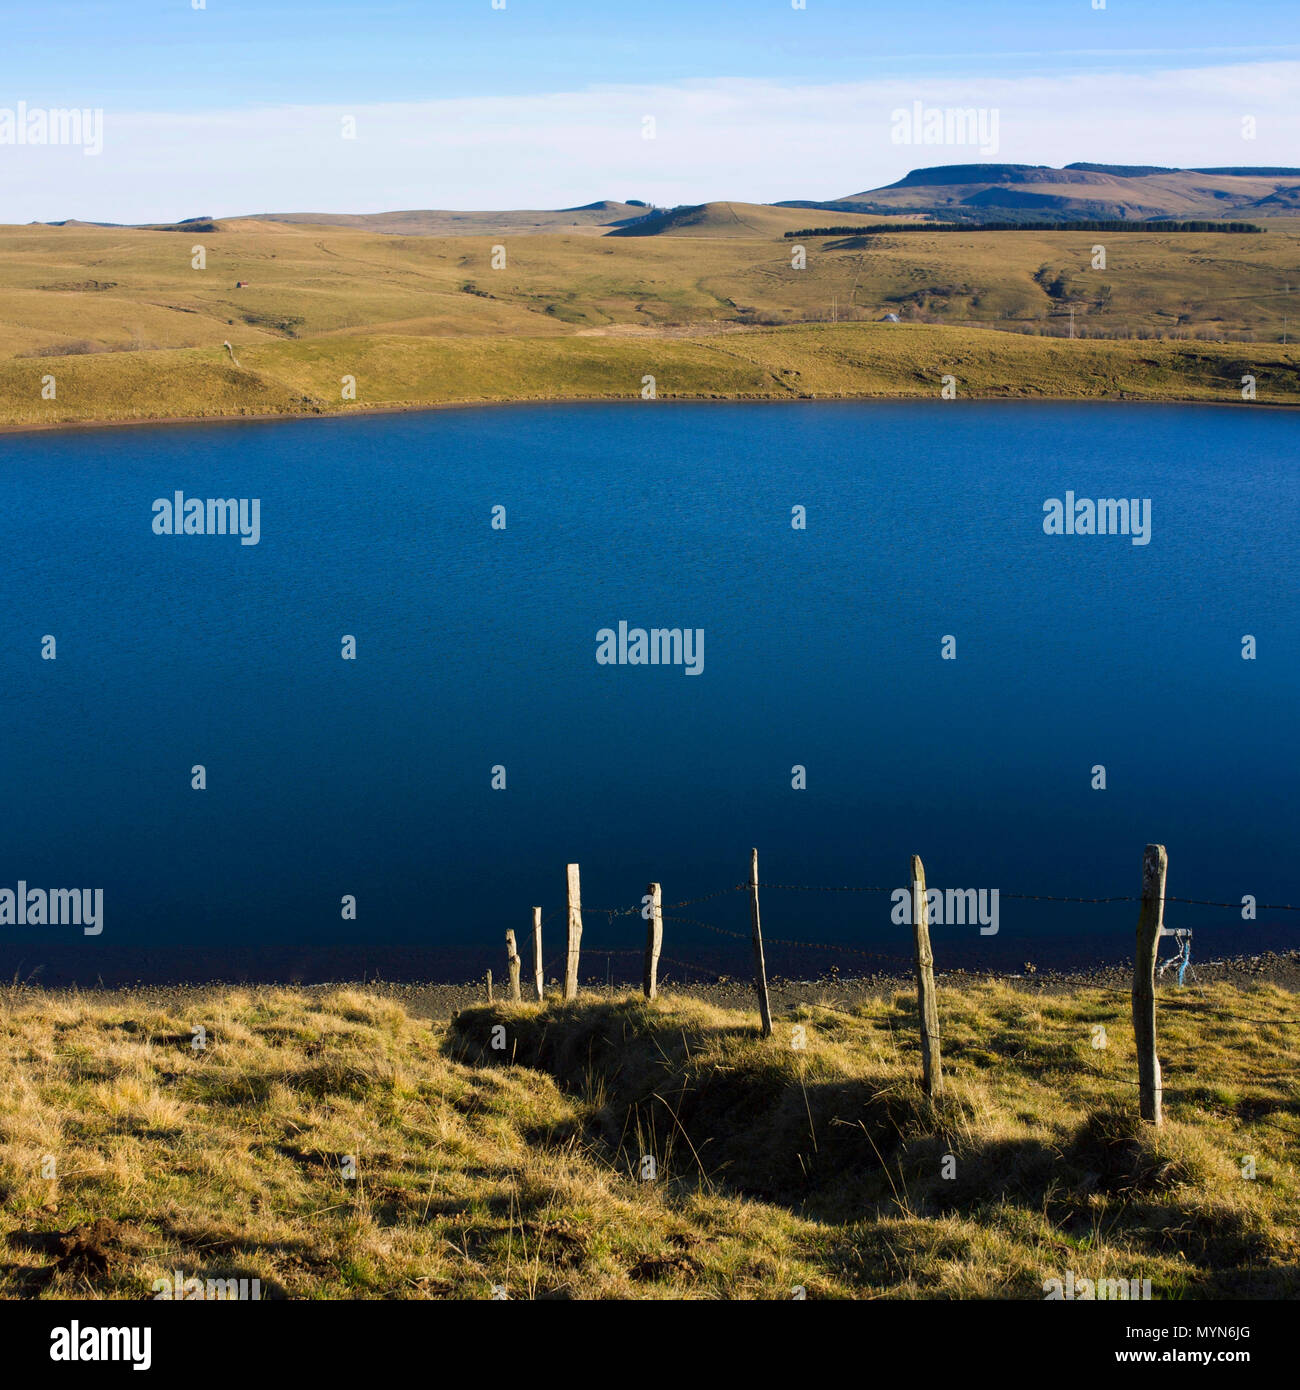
[278, 417]
[442, 999]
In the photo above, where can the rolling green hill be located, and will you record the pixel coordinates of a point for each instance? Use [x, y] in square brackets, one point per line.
[849, 360]
[720, 304]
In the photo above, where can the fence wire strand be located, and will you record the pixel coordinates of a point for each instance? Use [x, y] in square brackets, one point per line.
[1175, 1081]
[669, 913]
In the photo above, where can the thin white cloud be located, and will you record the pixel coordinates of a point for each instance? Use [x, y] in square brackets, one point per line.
[726, 139]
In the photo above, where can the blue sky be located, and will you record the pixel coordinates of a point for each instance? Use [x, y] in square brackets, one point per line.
[236, 107]
[162, 54]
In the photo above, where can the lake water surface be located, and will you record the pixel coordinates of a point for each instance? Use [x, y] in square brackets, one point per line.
[477, 649]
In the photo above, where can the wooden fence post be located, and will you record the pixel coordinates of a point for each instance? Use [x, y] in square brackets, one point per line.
[489, 986]
[654, 941]
[575, 933]
[537, 953]
[760, 966]
[512, 963]
[926, 1001]
[1150, 920]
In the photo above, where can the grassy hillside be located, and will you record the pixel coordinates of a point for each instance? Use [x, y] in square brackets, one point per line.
[1087, 190]
[735, 221]
[130, 330]
[74, 289]
[594, 217]
[861, 360]
[129, 1153]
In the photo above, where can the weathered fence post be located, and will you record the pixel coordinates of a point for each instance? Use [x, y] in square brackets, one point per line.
[489, 986]
[575, 933]
[654, 940]
[760, 966]
[512, 963]
[1150, 920]
[926, 1001]
[537, 953]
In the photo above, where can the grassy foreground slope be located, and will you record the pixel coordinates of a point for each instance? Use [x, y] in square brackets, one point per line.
[858, 360]
[127, 1153]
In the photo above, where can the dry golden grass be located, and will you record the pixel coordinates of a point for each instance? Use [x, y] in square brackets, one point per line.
[113, 289]
[825, 362]
[128, 329]
[776, 1167]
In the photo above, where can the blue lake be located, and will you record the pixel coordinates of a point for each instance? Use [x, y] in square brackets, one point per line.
[477, 648]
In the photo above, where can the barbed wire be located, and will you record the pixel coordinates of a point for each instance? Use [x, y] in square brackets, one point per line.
[819, 888]
[709, 926]
[1208, 1007]
[1174, 1081]
[1252, 1120]
[798, 945]
[876, 888]
[686, 965]
[708, 897]
[1019, 897]
[1205, 1009]
[611, 914]
[1259, 907]
[1053, 898]
[551, 969]
[669, 913]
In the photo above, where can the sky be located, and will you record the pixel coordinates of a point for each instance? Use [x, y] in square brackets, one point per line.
[223, 107]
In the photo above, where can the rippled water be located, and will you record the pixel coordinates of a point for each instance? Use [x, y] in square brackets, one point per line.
[477, 649]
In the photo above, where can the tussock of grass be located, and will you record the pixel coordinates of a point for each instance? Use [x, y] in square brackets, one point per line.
[775, 1166]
